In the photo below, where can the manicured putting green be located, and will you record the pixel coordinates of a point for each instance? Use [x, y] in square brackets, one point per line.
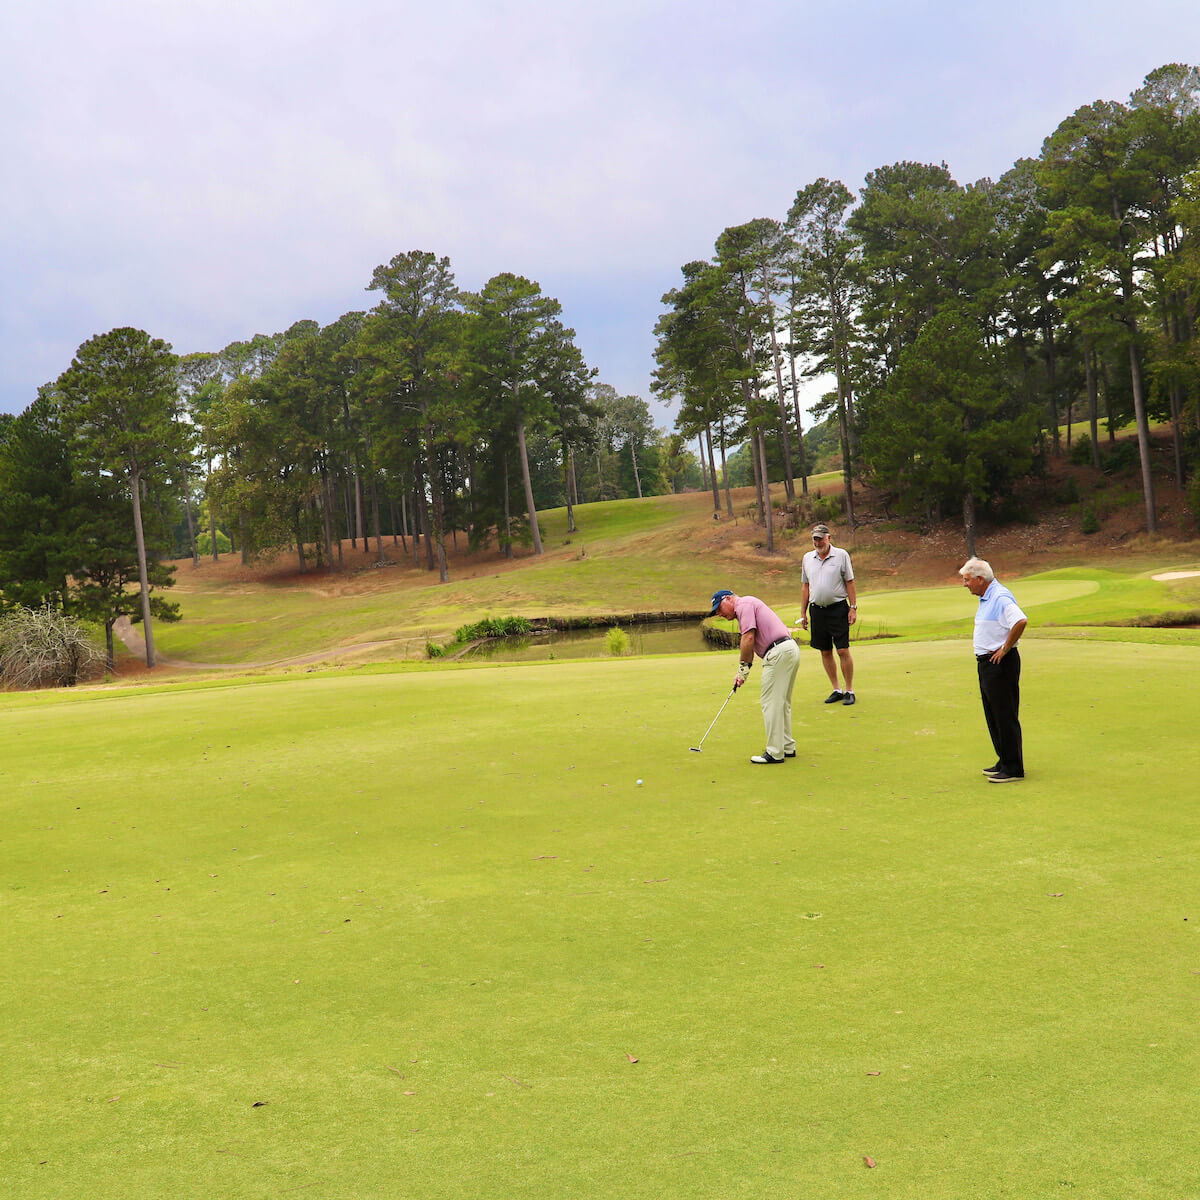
[405, 935]
[928, 606]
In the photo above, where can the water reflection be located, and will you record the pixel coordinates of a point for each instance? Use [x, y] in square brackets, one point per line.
[668, 637]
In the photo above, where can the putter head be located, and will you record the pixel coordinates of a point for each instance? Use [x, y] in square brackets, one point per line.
[695, 748]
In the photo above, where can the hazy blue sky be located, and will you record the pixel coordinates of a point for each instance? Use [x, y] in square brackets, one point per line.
[209, 169]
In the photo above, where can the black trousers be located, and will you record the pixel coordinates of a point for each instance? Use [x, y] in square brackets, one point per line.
[1000, 690]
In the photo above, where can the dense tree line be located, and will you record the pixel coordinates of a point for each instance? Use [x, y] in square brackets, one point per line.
[962, 326]
[435, 414]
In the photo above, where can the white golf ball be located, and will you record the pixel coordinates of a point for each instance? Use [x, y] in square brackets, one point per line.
[639, 783]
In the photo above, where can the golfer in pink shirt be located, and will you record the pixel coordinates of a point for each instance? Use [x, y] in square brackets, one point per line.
[764, 634]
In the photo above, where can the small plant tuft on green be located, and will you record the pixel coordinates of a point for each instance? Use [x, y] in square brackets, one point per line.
[617, 641]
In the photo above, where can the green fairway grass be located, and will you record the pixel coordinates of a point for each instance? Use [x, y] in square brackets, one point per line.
[403, 933]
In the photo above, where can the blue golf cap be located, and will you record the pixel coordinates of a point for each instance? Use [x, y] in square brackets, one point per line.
[717, 598]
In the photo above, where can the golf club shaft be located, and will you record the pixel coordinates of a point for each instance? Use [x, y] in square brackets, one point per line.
[716, 718]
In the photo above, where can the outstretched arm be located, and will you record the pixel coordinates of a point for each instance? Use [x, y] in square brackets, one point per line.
[745, 658]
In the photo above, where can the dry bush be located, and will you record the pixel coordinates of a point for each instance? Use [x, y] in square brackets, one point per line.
[42, 647]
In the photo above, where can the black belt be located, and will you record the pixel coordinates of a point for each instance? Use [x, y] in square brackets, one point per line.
[833, 605]
[787, 637]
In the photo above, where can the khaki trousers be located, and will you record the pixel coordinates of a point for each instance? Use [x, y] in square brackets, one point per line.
[778, 679]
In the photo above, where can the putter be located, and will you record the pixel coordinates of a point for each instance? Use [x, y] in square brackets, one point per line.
[714, 720]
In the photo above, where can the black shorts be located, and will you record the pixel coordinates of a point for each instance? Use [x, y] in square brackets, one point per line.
[829, 627]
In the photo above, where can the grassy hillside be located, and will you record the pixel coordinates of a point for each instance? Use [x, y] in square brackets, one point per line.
[667, 553]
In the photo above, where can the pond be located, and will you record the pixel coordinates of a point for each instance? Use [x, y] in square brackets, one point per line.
[667, 637]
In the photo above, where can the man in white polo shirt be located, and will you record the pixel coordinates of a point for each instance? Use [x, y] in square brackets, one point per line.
[764, 634]
[999, 623]
[828, 599]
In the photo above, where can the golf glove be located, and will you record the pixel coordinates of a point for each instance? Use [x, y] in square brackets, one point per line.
[743, 673]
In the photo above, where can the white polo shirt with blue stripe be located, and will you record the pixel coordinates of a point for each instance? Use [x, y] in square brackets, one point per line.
[998, 613]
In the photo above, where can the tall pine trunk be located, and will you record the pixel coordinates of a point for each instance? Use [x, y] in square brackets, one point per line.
[375, 518]
[508, 538]
[1089, 366]
[212, 515]
[135, 481]
[845, 408]
[416, 527]
[725, 473]
[327, 516]
[768, 516]
[191, 524]
[439, 517]
[528, 482]
[756, 465]
[799, 422]
[712, 469]
[1051, 375]
[789, 484]
[566, 467]
[358, 507]
[1143, 433]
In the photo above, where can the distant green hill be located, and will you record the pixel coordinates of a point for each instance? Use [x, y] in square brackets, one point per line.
[667, 554]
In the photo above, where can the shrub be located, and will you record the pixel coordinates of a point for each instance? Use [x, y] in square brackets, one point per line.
[489, 628]
[42, 647]
[1193, 497]
[617, 640]
[1089, 522]
[204, 543]
[1013, 509]
[433, 650]
[1122, 458]
[1081, 450]
[828, 508]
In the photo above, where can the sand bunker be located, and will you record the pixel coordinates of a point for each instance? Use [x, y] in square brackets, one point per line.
[1174, 575]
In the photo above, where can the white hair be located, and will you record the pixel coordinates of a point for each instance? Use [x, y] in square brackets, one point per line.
[977, 568]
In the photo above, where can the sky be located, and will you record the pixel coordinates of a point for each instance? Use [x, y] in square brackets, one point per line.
[210, 169]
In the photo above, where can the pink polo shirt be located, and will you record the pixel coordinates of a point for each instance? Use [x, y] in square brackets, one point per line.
[752, 613]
